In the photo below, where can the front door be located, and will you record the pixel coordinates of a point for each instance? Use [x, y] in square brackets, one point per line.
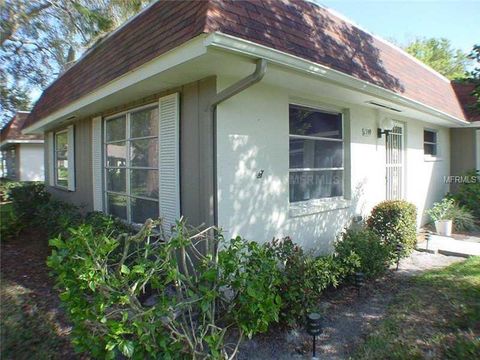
[394, 145]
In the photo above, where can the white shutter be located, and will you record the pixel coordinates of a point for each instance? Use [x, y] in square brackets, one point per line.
[97, 163]
[71, 158]
[169, 176]
[51, 158]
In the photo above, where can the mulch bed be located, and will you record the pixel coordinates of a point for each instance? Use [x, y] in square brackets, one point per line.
[23, 262]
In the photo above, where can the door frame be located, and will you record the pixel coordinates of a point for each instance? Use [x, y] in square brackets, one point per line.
[403, 160]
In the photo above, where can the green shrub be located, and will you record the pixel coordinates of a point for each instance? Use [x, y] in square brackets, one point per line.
[468, 193]
[142, 295]
[107, 224]
[304, 277]
[250, 271]
[372, 254]
[27, 198]
[5, 188]
[56, 217]
[395, 222]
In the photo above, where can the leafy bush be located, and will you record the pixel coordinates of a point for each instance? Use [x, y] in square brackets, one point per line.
[250, 271]
[26, 199]
[468, 193]
[304, 277]
[5, 188]
[372, 253]
[395, 222]
[142, 295]
[56, 217]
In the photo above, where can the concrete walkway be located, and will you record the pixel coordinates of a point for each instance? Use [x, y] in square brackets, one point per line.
[469, 246]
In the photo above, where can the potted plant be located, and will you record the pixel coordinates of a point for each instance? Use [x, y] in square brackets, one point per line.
[441, 213]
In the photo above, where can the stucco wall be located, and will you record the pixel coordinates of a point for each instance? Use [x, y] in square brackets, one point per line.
[253, 135]
[31, 165]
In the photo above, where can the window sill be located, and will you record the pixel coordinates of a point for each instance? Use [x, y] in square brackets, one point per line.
[428, 158]
[317, 206]
[61, 188]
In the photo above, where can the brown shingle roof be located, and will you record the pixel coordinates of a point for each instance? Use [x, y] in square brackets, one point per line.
[464, 92]
[12, 130]
[296, 27]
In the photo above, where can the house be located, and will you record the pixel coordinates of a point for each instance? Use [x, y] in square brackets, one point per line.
[22, 155]
[465, 151]
[266, 118]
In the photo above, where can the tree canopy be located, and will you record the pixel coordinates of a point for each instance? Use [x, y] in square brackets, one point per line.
[440, 55]
[39, 39]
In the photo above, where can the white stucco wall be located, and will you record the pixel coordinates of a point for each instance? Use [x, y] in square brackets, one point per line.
[31, 162]
[253, 135]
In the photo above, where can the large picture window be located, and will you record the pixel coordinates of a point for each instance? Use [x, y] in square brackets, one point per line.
[61, 158]
[131, 165]
[316, 154]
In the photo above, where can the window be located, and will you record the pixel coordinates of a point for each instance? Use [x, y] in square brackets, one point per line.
[61, 166]
[131, 165]
[430, 142]
[316, 154]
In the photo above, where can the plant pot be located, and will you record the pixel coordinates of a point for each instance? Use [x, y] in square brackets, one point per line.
[443, 227]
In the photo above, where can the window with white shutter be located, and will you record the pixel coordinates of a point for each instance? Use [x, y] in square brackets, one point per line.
[141, 163]
[62, 156]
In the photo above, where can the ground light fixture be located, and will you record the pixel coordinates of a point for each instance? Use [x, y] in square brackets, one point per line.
[314, 328]
[399, 253]
[359, 281]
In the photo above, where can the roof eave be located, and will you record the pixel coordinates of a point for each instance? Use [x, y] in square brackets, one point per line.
[252, 49]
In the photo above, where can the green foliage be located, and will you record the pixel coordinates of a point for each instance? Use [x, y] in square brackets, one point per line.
[372, 255]
[56, 217]
[141, 295]
[442, 210]
[250, 270]
[463, 219]
[468, 193]
[39, 39]
[27, 198]
[5, 188]
[440, 56]
[475, 76]
[395, 222]
[304, 277]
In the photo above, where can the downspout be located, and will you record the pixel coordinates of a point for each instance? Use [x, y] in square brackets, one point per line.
[225, 94]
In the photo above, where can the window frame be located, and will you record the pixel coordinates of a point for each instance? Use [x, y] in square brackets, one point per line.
[128, 140]
[435, 156]
[55, 159]
[328, 201]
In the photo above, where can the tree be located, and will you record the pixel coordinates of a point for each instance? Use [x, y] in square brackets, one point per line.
[475, 74]
[39, 40]
[440, 56]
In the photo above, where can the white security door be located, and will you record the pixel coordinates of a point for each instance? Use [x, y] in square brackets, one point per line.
[394, 145]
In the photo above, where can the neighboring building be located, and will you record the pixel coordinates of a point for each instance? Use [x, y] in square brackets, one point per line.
[267, 118]
[22, 155]
[465, 152]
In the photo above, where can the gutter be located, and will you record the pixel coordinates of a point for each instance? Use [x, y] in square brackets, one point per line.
[245, 47]
[225, 94]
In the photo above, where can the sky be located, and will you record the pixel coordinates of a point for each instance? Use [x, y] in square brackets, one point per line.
[456, 20]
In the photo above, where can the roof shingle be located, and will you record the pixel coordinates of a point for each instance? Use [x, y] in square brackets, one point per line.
[296, 27]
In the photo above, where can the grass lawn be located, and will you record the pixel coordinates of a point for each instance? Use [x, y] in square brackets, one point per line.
[435, 316]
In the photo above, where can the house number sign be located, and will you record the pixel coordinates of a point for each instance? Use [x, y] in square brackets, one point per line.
[366, 132]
